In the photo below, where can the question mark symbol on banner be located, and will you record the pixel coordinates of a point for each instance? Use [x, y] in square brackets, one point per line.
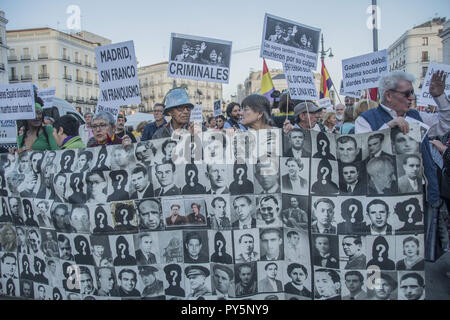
[122, 247]
[101, 218]
[381, 250]
[174, 275]
[101, 159]
[66, 161]
[26, 265]
[323, 144]
[83, 245]
[10, 289]
[353, 209]
[56, 296]
[120, 178]
[73, 281]
[219, 243]
[325, 172]
[411, 209]
[28, 209]
[77, 181]
[240, 172]
[191, 175]
[124, 214]
[39, 266]
[374, 273]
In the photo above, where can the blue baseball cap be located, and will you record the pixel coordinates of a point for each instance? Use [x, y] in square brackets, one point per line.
[176, 98]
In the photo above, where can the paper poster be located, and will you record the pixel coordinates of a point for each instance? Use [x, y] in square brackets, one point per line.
[425, 97]
[17, 101]
[300, 81]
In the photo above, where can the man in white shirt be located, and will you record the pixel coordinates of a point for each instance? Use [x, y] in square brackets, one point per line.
[247, 247]
[378, 213]
[411, 181]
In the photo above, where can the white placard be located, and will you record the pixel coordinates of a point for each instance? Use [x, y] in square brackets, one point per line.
[47, 96]
[7, 131]
[199, 58]
[118, 77]
[291, 42]
[356, 94]
[325, 103]
[197, 114]
[17, 101]
[300, 81]
[425, 96]
[217, 108]
[364, 72]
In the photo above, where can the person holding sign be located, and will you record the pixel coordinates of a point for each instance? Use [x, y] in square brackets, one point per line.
[36, 136]
[103, 126]
[179, 108]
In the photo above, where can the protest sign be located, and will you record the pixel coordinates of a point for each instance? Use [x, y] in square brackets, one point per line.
[7, 131]
[325, 103]
[199, 58]
[291, 42]
[118, 77]
[17, 101]
[217, 108]
[300, 81]
[196, 114]
[356, 94]
[425, 96]
[364, 72]
[47, 96]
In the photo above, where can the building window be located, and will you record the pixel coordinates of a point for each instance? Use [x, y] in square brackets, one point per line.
[424, 71]
[425, 56]
[26, 70]
[425, 41]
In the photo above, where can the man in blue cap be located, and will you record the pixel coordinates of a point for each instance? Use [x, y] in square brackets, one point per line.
[178, 107]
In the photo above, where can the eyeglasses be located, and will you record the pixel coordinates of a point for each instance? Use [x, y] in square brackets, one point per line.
[406, 94]
[99, 126]
[182, 108]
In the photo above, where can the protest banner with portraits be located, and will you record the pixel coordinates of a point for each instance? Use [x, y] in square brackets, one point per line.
[307, 215]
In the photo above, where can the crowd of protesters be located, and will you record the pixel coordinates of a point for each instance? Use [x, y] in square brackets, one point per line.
[397, 101]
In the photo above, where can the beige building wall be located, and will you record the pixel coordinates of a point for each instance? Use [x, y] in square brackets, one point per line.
[155, 83]
[445, 35]
[51, 58]
[3, 50]
[416, 48]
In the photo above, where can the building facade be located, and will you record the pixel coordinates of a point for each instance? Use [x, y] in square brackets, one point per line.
[416, 48]
[3, 50]
[51, 58]
[154, 84]
[445, 36]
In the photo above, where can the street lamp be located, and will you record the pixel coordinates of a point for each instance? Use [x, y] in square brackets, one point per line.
[323, 53]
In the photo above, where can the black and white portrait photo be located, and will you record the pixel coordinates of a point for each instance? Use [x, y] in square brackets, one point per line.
[140, 183]
[409, 172]
[145, 153]
[218, 208]
[65, 246]
[196, 212]
[242, 179]
[271, 243]
[296, 245]
[97, 185]
[195, 179]
[410, 213]
[348, 149]
[171, 247]
[410, 253]
[195, 245]
[214, 145]
[404, 143]
[165, 180]
[381, 252]
[323, 215]
[8, 238]
[270, 276]
[198, 280]
[79, 218]
[218, 178]
[102, 159]
[49, 243]
[84, 161]
[106, 282]
[121, 158]
[294, 175]
[323, 145]
[297, 280]
[268, 212]
[220, 246]
[325, 251]
[101, 251]
[327, 284]
[382, 177]
[243, 213]
[291, 34]
[352, 252]
[61, 217]
[127, 278]
[150, 282]
[267, 175]
[352, 219]
[150, 214]
[378, 214]
[246, 275]
[297, 144]
[354, 287]
[82, 247]
[222, 281]
[244, 147]
[147, 248]
[377, 145]
[66, 161]
[118, 186]
[9, 267]
[174, 212]
[411, 285]
[77, 188]
[174, 280]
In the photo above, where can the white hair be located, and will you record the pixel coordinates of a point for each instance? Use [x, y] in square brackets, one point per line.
[390, 81]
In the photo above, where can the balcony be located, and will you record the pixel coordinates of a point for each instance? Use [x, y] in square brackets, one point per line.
[78, 61]
[2, 66]
[26, 57]
[43, 56]
[425, 59]
[87, 64]
[89, 81]
[13, 78]
[66, 58]
[79, 80]
[26, 77]
[42, 76]
[69, 98]
[80, 99]
[12, 58]
[94, 99]
[96, 83]
[67, 77]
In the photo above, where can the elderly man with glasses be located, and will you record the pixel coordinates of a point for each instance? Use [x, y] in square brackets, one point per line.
[397, 94]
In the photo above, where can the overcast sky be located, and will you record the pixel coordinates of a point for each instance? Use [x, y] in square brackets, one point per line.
[150, 23]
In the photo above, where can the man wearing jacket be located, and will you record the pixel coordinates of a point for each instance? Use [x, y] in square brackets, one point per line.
[65, 132]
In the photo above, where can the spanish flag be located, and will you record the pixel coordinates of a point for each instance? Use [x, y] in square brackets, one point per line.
[325, 82]
[266, 83]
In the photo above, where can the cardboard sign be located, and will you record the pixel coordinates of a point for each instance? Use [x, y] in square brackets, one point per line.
[118, 77]
[7, 131]
[300, 81]
[325, 103]
[196, 114]
[290, 42]
[199, 58]
[217, 108]
[47, 96]
[356, 94]
[17, 101]
[364, 72]
[425, 96]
